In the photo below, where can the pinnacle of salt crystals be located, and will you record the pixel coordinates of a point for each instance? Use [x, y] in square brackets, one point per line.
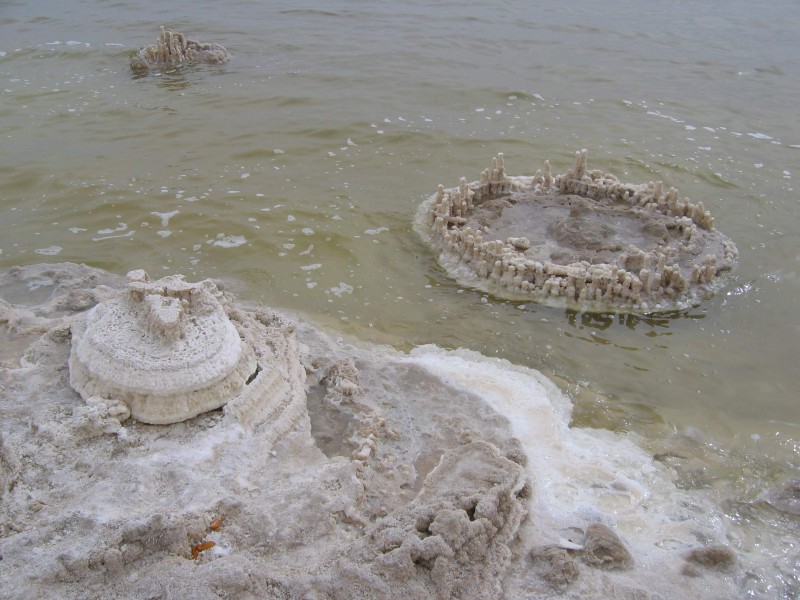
[168, 350]
[173, 49]
[583, 238]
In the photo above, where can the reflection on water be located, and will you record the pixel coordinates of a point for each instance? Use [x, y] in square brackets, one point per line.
[661, 320]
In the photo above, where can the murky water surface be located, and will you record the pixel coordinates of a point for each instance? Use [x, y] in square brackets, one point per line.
[295, 170]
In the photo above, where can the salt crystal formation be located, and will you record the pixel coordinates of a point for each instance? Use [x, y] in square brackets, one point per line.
[173, 49]
[167, 350]
[453, 538]
[582, 239]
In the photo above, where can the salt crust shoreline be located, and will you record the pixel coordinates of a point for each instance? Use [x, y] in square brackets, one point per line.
[434, 474]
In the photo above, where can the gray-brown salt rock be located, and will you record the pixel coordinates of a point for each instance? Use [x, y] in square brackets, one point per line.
[559, 568]
[173, 49]
[602, 548]
[582, 238]
[716, 557]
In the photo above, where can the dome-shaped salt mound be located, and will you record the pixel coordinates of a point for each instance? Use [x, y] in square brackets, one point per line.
[581, 239]
[166, 349]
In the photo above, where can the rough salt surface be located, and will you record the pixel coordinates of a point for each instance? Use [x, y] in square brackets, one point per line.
[386, 475]
[581, 239]
[172, 49]
[168, 350]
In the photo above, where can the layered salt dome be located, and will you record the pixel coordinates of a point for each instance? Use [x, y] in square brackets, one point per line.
[582, 239]
[173, 49]
[434, 474]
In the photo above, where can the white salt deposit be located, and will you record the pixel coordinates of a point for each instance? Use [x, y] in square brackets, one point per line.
[438, 474]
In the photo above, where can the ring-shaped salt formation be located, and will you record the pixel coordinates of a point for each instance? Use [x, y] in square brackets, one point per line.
[165, 351]
[582, 239]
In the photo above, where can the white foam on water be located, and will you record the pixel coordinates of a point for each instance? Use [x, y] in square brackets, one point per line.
[341, 289]
[228, 241]
[119, 227]
[164, 233]
[307, 231]
[313, 267]
[760, 136]
[580, 475]
[375, 231]
[111, 237]
[165, 217]
[76, 229]
[49, 251]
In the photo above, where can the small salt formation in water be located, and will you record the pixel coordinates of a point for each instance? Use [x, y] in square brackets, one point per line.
[173, 49]
[582, 238]
[167, 350]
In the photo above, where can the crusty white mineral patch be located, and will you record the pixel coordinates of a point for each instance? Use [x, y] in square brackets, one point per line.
[173, 49]
[169, 350]
[583, 238]
[427, 476]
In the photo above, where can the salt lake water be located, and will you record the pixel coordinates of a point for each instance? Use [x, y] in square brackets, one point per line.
[295, 170]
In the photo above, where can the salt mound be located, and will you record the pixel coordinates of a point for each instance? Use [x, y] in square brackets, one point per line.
[581, 239]
[341, 470]
[173, 49]
[167, 350]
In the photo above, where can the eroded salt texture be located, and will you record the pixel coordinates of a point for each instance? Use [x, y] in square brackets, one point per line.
[172, 49]
[167, 350]
[583, 238]
[439, 474]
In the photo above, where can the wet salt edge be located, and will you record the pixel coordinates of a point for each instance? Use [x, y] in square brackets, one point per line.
[579, 476]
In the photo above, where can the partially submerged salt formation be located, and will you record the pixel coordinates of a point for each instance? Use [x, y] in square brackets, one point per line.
[173, 49]
[583, 238]
[167, 350]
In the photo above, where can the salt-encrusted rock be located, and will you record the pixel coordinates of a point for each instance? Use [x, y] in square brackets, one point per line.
[9, 466]
[717, 558]
[173, 49]
[582, 238]
[785, 497]
[559, 569]
[602, 548]
[452, 540]
[168, 350]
